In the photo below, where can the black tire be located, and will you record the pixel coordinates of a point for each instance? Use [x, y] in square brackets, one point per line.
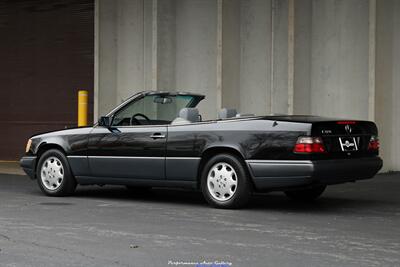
[243, 190]
[308, 194]
[68, 184]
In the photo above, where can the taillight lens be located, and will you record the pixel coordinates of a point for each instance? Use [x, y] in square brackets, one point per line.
[373, 143]
[309, 144]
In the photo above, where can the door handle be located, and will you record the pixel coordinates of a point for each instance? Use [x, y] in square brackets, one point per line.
[157, 136]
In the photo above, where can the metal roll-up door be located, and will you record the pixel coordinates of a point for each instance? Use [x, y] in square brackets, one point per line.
[46, 55]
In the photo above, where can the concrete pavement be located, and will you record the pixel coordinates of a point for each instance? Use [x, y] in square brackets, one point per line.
[351, 225]
[10, 167]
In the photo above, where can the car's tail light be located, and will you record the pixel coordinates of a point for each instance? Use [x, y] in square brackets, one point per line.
[309, 144]
[373, 143]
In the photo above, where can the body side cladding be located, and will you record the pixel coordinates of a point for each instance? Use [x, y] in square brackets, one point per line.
[273, 174]
[79, 165]
[182, 168]
[176, 168]
[122, 166]
[89, 180]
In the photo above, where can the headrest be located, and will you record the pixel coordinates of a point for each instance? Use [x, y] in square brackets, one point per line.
[189, 114]
[227, 113]
[244, 115]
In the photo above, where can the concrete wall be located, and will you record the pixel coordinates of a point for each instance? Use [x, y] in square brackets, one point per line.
[105, 57]
[388, 80]
[124, 51]
[339, 58]
[302, 60]
[196, 51]
[255, 57]
[327, 57]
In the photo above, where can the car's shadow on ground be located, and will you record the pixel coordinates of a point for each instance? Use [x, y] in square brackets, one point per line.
[268, 201]
[327, 204]
[162, 195]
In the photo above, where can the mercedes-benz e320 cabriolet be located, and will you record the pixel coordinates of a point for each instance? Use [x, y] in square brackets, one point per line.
[158, 139]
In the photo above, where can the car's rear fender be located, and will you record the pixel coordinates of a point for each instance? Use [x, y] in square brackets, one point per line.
[211, 151]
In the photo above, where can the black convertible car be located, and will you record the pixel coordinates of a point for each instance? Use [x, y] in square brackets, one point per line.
[158, 139]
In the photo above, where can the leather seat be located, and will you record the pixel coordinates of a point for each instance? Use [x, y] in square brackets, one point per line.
[226, 113]
[187, 115]
[245, 115]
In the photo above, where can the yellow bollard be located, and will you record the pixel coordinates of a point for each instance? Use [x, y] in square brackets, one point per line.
[82, 108]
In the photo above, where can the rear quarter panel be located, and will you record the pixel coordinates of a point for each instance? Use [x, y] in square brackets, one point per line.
[252, 138]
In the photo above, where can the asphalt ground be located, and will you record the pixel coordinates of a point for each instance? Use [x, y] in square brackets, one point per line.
[355, 224]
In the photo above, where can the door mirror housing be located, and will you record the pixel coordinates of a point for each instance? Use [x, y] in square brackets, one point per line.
[105, 121]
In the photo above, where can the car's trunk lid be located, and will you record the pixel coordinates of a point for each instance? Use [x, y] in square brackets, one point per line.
[346, 138]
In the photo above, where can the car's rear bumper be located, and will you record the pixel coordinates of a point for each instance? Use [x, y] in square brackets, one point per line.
[28, 164]
[269, 174]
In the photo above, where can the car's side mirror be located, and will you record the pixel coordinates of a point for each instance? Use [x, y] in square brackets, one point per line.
[105, 121]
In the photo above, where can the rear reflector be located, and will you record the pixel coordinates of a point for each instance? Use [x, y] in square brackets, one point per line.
[373, 143]
[309, 145]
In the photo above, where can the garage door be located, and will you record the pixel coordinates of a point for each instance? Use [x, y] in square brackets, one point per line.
[46, 55]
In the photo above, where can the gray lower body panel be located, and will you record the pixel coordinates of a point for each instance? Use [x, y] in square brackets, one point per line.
[89, 180]
[79, 165]
[128, 167]
[269, 174]
[146, 168]
[182, 168]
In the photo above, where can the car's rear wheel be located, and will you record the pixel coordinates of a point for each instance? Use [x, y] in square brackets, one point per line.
[308, 194]
[54, 175]
[224, 182]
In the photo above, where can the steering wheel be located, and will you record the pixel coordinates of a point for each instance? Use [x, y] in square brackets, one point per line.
[137, 122]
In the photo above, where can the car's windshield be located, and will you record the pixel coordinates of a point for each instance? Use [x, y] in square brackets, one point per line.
[152, 110]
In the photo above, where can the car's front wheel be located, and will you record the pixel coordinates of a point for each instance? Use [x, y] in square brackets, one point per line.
[224, 182]
[308, 194]
[54, 175]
